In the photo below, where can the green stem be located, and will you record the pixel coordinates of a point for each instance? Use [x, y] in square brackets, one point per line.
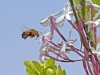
[84, 15]
[83, 9]
[90, 35]
[74, 10]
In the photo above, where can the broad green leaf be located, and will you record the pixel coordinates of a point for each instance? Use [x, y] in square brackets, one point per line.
[64, 72]
[96, 2]
[51, 70]
[42, 64]
[28, 71]
[36, 73]
[31, 73]
[49, 62]
[59, 71]
[27, 74]
[29, 64]
[37, 66]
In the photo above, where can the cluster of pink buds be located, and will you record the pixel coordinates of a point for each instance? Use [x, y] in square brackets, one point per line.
[90, 53]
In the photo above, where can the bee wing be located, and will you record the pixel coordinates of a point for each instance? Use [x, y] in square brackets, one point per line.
[24, 25]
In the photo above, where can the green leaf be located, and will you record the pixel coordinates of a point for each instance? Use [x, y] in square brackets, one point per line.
[59, 71]
[37, 66]
[64, 72]
[96, 2]
[29, 71]
[36, 73]
[29, 65]
[49, 62]
[27, 74]
[51, 70]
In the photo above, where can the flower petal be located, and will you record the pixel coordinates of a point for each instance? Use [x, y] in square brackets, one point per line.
[42, 59]
[66, 5]
[67, 17]
[98, 55]
[68, 8]
[57, 13]
[96, 7]
[44, 20]
[45, 24]
[69, 42]
[60, 19]
[43, 50]
[89, 22]
[68, 49]
[71, 13]
[78, 6]
[62, 51]
[93, 50]
[48, 35]
[98, 23]
[60, 25]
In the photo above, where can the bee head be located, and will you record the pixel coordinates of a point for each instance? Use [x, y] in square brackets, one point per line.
[24, 35]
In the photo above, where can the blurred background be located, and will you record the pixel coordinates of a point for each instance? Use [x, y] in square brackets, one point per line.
[14, 15]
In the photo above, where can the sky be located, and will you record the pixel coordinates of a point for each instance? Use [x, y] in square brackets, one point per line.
[14, 15]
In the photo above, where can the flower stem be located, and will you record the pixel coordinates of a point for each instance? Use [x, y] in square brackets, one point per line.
[74, 10]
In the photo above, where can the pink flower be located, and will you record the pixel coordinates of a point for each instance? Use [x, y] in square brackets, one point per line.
[65, 45]
[96, 7]
[45, 22]
[42, 58]
[96, 51]
[66, 13]
[94, 23]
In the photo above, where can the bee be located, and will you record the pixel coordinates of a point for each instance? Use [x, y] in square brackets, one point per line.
[30, 33]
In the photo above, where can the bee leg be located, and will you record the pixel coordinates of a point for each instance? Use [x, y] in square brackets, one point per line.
[31, 36]
[36, 38]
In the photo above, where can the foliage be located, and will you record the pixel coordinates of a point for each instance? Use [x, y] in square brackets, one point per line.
[47, 68]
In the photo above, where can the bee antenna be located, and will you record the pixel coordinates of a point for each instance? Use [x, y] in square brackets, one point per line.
[41, 33]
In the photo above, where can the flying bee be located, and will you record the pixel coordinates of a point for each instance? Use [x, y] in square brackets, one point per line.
[30, 33]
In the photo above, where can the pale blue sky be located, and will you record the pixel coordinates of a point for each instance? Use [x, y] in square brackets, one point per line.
[13, 49]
